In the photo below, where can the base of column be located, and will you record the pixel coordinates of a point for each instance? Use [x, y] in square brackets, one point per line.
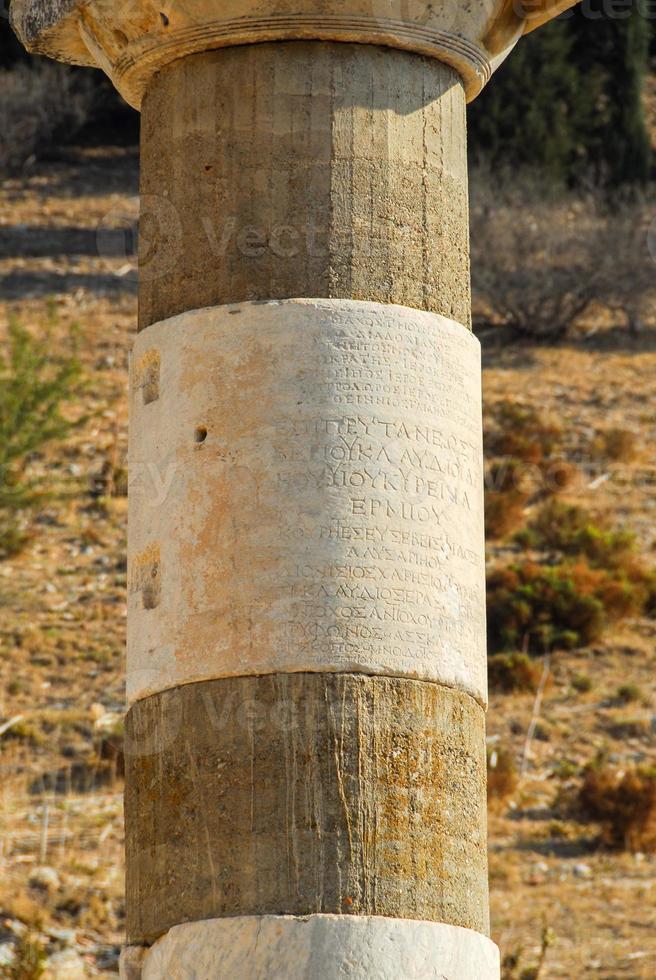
[316, 947]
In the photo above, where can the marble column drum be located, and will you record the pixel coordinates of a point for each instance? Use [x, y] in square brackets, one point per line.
[305, 793]
[306, 508]
[306, 484]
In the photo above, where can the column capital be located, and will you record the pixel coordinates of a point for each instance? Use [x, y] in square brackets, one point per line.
[132, 39]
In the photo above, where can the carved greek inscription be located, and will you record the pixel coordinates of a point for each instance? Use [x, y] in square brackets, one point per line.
[393, 567]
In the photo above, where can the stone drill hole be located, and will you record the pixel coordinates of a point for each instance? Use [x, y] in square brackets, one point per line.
[150, 382]
[150, 596]
[201, 434]
[151, 590]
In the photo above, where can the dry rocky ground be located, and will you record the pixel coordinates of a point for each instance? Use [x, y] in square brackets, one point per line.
[62, 624]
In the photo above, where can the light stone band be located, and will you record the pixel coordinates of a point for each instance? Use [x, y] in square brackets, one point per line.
[306, 493]
[316, 947]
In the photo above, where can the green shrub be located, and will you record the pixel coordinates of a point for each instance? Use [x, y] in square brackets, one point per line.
[572, 531]
[582, 683]
[513, 672]
[628, 586]
[35, 381]
[626, 693]
[524, 456]
[545, 606]
[509, 485]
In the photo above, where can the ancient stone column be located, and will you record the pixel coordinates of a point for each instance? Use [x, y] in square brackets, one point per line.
[305, 790]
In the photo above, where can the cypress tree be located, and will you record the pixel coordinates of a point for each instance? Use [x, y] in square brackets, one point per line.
[611, 50]
[568, 102]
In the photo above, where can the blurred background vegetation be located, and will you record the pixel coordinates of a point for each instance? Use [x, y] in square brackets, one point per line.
[45, 104]
[568, 103]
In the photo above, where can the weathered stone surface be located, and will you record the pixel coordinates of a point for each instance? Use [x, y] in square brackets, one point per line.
[304, 169]
[321, 947]
[331, 518]
[303, 793]
[135, 39]
[131, 962]
[66, 964]
[51, 27]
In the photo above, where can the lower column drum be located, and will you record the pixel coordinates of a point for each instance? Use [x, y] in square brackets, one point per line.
[302, 793]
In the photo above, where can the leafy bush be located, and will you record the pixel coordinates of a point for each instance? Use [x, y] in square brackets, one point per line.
[595, 576]
[513, 672]
[624, 803]
[626, 693]
[629, 585]
[570, 530]
[521, 431]
[524, 461]
[34, 383]
[539, 261]
[38, 102]
[506, 495]
[566, 605]
[503, 513]
[582, 683]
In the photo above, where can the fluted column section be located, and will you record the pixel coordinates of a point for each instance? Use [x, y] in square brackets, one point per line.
[306, 657]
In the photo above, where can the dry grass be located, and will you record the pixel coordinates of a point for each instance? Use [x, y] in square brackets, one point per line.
[502, 776]
[623, 802]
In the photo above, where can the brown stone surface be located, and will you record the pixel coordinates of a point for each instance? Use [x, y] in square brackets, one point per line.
[301, 793]
[304, 169]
